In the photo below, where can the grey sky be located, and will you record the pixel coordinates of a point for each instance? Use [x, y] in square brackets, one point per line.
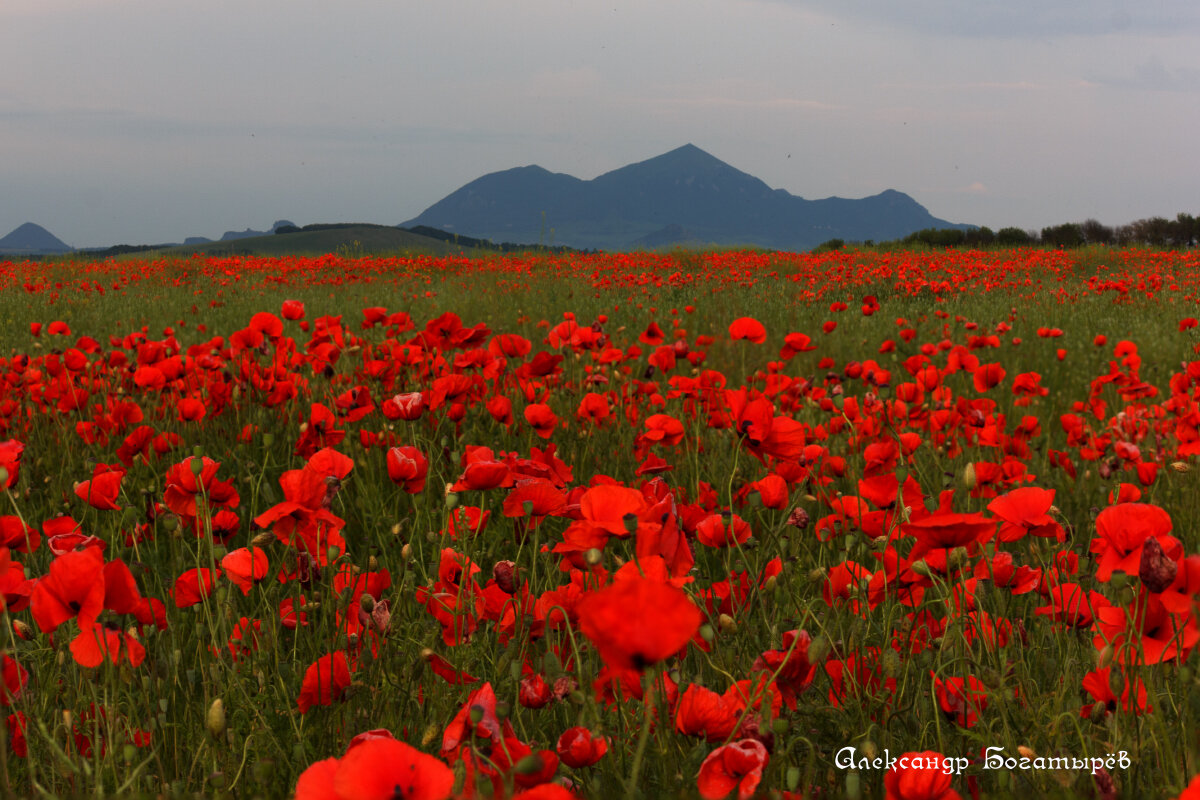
[142, 121]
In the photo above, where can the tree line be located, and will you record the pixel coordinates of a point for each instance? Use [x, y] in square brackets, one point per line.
[1181, 232]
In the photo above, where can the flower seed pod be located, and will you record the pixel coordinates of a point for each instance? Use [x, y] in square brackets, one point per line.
[1156, 570]
[214, 720]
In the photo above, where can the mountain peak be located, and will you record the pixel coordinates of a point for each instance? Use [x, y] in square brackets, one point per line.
[31, 239]
[685, 192]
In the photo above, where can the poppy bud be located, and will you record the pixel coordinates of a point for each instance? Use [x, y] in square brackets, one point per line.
[706, 633]
[451, 501]
[1098, 713]
[476, 714]
[214, 720]
[727, 624]
[922, 569]
[818, 649]
[853, 785]
[891, 663]
[1177, 466]
[22, 630]
[958, 558]
[793, 778]
[262, 539]
[1026, 752]
[406, 551]
[968, 477]
[1116, 682]
[593, 557]
[366, 602]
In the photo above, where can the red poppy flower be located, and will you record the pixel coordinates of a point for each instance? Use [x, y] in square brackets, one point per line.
[790, 665]
[13, 678]
[638, 622]
[1133, 699]
[18, 536]
[922, 777]
[663, 429]
[738, 765]
[747, 328]
[382, 768]
[325, 681]
[796, 343]
[483, 475]
[1024, 511]
[541, 418]
[194, 585]
[1192, 792]
[192, 478]
[73, 588]
[578, 748]
[407, 467]
[961, 699]
[987, 376]
[10, 462]
[96, 643]
[704, 713]
[714, 532]
[1123, 530]
[101, 490]
[947, 530]
[245, 566]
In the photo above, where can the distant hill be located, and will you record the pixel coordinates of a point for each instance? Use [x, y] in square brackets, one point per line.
[230, 236]
[685, 196]
[352, 239]
[31, 239]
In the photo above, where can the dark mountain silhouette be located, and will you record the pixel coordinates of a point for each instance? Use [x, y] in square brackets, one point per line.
[685, 196]
[230, 236]
[31, 239]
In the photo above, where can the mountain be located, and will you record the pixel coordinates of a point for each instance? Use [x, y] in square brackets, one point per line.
[31, 240]
[685, 196]
[230, 236]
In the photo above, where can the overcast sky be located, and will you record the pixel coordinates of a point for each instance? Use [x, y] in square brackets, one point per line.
[146, 121]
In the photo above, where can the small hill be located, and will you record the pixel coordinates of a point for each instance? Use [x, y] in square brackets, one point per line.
[680, 197]
[352, 239]
[31, 239]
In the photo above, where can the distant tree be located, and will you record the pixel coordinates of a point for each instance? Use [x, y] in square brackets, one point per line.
[1014, 237]
[829, 245]
[1095, 233]
[1069, 234]
[980, 237]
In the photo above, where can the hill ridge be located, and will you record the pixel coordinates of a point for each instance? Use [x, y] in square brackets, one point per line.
[685, 191]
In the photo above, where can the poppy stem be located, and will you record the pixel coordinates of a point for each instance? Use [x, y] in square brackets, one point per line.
[643, 737]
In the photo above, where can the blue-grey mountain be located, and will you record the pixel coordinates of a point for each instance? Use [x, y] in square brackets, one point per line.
[32, 240]
[685, 196]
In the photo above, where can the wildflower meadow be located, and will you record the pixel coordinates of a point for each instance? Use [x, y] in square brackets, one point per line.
[908, 524]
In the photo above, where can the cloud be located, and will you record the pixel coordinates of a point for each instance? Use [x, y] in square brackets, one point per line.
[1152, 75]
[1018, 18]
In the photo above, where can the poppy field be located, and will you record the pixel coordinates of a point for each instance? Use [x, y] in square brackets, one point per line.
[868, 524]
